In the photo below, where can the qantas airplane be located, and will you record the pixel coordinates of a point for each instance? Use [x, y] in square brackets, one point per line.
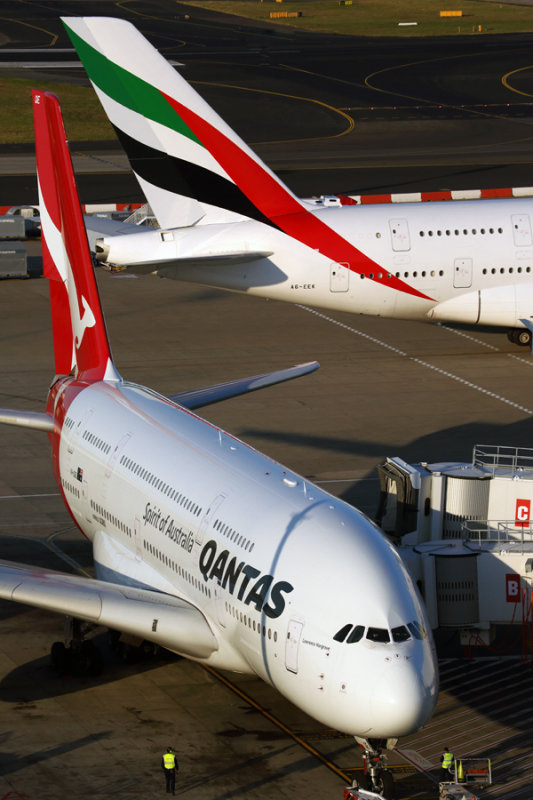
[201, 544]
[228, 221]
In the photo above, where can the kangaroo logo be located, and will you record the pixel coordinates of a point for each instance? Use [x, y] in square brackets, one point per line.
[82, 322]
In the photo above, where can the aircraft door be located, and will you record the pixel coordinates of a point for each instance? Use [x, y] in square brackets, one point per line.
[110, 466]
[85, 495]
[292, 645]
[462, 273]
[521, 230]
[208, 516]
[399, 231]
[339, 277]
[219, 602]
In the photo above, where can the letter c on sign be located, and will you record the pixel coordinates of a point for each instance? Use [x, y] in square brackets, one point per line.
[523, 510]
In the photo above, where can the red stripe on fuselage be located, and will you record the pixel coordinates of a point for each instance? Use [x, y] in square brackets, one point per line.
[60, 396]
[278, 205]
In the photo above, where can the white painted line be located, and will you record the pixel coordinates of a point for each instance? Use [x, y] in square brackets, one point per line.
[500, 398]
[468, 336]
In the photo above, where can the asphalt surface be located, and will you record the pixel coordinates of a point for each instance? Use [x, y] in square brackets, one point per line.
[385, 387]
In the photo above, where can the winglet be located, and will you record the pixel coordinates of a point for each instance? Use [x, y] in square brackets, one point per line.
[80, 337]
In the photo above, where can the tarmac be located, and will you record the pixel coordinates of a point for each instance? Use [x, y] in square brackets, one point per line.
[385, 387]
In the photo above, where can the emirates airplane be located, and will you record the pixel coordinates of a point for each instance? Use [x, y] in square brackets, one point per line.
[228, 221]
[201, 544]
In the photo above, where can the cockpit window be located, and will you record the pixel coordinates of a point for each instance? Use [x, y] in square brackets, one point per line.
[341, 635]
[400, 634]
[356, 635]
[417, 630]
[378, 635]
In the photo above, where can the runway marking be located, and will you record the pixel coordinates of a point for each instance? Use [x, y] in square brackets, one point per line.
[246, 697]
[422, 99]
[419, 361]
[527, 361]
[326, 77]
[51, 545]
[350, 120]
[511, 88]
[54, 36]
[468, 336]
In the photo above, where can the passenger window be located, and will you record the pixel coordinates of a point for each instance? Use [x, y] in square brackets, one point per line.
[378, 635]
[341, 635]
[400, 634]
[356, 635]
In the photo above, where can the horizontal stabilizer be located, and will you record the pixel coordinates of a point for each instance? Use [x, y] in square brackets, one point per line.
[27, 419]
[156, 617]
[198, 398]
[97, 227]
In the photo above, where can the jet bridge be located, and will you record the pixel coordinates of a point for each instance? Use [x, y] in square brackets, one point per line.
[465, 532]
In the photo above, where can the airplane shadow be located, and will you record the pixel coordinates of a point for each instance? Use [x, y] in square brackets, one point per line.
[448, 444]
[10, 762]
[37, 680]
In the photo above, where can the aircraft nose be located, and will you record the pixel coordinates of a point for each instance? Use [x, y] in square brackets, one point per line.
[400, 702]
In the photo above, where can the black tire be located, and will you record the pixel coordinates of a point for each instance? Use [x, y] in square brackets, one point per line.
[520, 336]
[523, 337]
[387, 783]
[87, 659]
[58, 656]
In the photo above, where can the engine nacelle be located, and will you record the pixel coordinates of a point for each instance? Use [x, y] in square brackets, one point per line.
[499, 305]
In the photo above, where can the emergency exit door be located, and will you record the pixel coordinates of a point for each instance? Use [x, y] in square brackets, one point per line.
[521, 229]
[399, 231]
[339, 277]
[462, 273]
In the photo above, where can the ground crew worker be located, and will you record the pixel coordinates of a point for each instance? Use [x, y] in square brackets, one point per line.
[446, 761]
[169, 763]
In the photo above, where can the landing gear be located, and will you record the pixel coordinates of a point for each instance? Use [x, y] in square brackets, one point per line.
[520, 336]
[76, 654]
[377, 777]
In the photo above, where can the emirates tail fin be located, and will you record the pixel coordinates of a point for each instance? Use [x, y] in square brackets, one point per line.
[80, 338]
[189, 162]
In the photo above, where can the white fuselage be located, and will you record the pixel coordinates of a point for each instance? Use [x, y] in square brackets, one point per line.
[465, 261]
[277, 566]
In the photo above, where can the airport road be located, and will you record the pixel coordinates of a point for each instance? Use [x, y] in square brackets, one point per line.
[384, 387]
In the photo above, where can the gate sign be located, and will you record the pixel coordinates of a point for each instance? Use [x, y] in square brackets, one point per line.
[523, 509]
[512, 587]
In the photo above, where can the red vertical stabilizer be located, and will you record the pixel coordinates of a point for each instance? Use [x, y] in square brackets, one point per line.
[80, 337]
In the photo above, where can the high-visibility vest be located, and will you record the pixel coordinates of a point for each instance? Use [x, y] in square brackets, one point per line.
[447, 760]
[169, 760]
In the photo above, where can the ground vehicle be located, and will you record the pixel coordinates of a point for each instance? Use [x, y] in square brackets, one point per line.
[467, 772]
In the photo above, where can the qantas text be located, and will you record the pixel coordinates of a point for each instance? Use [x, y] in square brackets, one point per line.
[225, 569]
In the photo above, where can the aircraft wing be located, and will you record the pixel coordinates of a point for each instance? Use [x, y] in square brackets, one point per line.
[198, 398]
[157, 617]
[40, 421]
